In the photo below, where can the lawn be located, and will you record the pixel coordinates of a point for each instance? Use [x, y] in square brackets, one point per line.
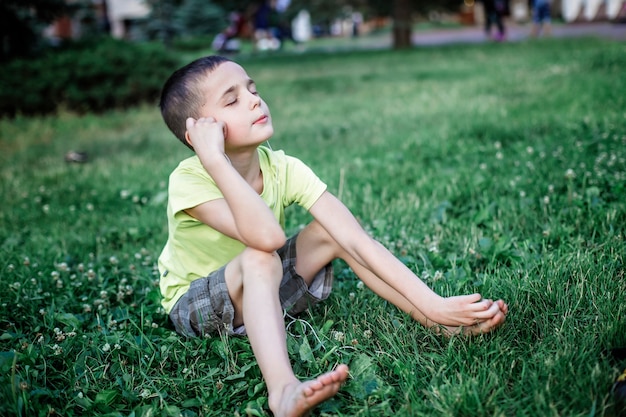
[498, 168]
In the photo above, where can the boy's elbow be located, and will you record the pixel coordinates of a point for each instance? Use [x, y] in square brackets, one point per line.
[278, 241]
[270, 241]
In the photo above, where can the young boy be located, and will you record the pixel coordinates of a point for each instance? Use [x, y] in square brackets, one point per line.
[227, 265]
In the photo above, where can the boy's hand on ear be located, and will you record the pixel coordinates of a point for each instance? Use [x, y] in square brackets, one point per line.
[207, 137]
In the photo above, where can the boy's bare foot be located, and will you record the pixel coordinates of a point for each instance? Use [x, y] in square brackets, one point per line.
[482, 327]
[298, 398]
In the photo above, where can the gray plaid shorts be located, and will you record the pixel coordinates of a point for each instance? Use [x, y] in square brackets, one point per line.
[206, 308]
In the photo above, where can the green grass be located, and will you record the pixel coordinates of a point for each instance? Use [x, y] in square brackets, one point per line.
[492, 168]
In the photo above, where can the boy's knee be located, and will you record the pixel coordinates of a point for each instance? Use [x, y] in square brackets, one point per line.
[255, 263]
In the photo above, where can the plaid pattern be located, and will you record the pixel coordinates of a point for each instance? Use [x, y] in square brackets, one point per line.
[206, 307]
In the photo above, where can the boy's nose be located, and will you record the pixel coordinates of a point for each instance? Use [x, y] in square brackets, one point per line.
[255, 100]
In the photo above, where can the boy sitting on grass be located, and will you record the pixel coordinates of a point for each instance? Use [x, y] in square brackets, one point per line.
[227, 265]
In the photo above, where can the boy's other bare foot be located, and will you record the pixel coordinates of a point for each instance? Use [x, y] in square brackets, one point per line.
[298, 398]
[481, 327]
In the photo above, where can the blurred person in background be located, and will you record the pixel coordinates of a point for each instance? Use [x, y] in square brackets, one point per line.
[542, 19]
[495, 11]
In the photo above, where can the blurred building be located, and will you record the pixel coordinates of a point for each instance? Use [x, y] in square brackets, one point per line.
[122, 13]
[110, 16]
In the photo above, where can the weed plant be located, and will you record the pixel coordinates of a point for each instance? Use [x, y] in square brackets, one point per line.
[491, 168]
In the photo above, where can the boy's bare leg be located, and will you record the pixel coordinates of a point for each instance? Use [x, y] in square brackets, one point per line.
[253, 280]
[320, 248]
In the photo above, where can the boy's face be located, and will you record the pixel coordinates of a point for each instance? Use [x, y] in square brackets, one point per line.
[231, 97]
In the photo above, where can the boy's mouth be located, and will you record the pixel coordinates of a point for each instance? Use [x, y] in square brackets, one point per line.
[261, 120]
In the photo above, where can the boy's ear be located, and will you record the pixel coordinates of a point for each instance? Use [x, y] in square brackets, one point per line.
[188, 138]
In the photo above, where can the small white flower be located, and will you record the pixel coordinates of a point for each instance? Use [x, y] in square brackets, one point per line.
[570, 174]
[106, 347]
[338, 336]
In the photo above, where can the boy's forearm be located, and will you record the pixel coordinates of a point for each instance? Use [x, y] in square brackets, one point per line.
[254, 220]
[384, 264]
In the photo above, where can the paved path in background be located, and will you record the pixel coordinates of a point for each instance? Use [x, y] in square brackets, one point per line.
[516, 32]
[476, 34]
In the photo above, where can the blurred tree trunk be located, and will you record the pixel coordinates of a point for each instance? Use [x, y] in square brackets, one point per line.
[402, 24]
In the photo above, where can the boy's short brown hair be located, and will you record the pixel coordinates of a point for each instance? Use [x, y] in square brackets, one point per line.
[182, 97]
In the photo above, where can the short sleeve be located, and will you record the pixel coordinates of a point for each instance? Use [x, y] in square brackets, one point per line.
[190, 185]
[303, 186]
